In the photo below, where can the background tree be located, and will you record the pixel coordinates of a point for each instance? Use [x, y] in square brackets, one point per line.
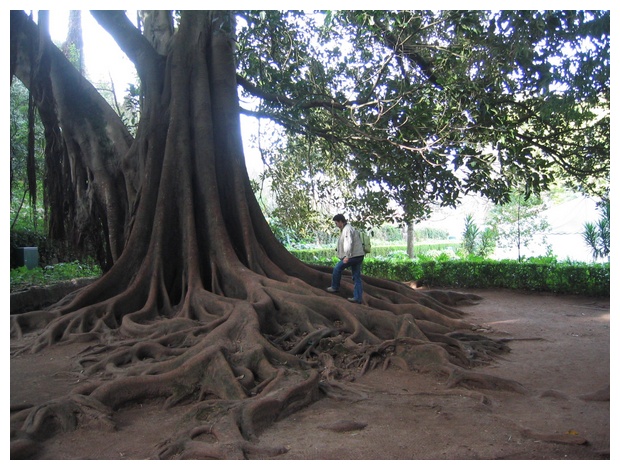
[303, 197]
[73, 47]
[518, 222]
[201, 303]
[22, 212]
[410, 240]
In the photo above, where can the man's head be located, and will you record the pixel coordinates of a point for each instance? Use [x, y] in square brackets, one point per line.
[340, 220]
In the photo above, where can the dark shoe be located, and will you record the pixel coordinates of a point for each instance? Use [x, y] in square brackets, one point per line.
[332, 290]
[351, 299]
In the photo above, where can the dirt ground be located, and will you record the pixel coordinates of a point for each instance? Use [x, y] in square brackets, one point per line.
[560, 354]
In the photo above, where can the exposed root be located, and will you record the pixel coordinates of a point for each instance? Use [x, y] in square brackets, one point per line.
[233, 426]
[66, 414]
[246, 363]
[570, 439]
[344, 426]
[31, 321]
[468, 379]
[23, 446]
[603, 394]
[453, 298]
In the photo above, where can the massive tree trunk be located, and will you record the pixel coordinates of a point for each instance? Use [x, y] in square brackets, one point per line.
[202, 303]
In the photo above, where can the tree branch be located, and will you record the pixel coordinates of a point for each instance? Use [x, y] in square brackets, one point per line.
[274, 98]
[401, 47]
[131, 41]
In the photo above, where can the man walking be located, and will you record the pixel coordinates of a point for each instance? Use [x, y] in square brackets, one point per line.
[351, 254]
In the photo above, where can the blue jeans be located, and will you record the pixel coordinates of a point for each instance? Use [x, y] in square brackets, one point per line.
[356, 269]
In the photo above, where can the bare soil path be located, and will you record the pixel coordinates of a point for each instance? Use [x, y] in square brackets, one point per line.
[560, 354]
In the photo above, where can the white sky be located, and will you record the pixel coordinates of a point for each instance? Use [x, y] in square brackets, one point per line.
[102, 55]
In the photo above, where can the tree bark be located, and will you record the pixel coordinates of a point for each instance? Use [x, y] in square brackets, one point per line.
[410, 239]
[73, 47]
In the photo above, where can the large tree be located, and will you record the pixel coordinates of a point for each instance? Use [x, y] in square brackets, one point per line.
[201, 303]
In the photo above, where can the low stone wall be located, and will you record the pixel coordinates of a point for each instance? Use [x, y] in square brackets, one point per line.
[35, 298]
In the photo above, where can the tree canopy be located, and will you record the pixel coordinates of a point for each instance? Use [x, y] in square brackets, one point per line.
[201, 304]
[467, 101]
[426, 106]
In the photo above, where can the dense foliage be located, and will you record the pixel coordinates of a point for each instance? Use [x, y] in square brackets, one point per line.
[476, 241]
[556, 277]
[421, 107]
[50, 252]
[23, 277]
[26, 203]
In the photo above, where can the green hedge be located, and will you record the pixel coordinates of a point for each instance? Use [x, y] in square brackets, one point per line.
[557, 277]
[22, 277]
[319, 254]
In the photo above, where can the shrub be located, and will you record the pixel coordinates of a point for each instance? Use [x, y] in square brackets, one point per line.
[540, 274]
[560, 278]
[23, 277]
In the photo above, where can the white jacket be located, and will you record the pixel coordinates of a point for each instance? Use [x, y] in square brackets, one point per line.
[349, 243]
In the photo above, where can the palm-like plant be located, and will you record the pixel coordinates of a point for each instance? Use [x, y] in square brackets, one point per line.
[598, 235]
